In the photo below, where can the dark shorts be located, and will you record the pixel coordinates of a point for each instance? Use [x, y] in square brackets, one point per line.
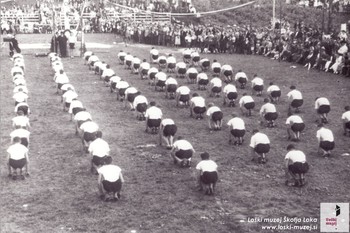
[18, 163]
[262, 148]
[152, 75]
[113, 187]
[209, 177]
[217, 116]
[76, 110]
[24, 109]
[324, 109]
[121, 91]
[216, 89]
[87, 58]
[250, 105]
[184, 98]
[192, 75]
[217, 70]
[275, 94]
[155, 57]
[59, 85]
[242, 80]
[136, 66]
[162, 62]
[171, 65]
[99, 161]
[92, 63]
[67, 105]
[228, 73]
[160, 84]
[199, 110]
[89, 137]
[327, 145]
[258, 87]
[271, 116]
[206, 64]
[141, 107]
[299, 168]
[24, 142]
[203, 82]
[153, 123]
[71, 45]
[181, 70]
[184, 154]
[131, 97]
[144, 72]
[187, 56]
[297, 103]
[171, 88]
[122, 58]
[128, 63]
[169, 130]
[196, 59]
[113, 85]
[298, 127]
[232, 95]
[238, 133]
[107, 78]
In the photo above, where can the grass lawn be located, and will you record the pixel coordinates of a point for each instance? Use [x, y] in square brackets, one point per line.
[61, 195]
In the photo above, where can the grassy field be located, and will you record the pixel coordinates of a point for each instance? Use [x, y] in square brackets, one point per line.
[61, 195]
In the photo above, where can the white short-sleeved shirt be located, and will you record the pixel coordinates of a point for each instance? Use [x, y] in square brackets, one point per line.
[226, 68]
[207, 166]
[145, 66]
[186, 52]
[19, 81]
[182, 145]
[267, 108]
[87, 54]
[183, 90]
[321, 101]
[294, 119]
[69, 95]
[295, 95]
[245, 99]
[273, 88]
[122, 84]
[216, 82]
[140, 99]
[229, 88]
[346, 116]
[17, 151]
[153, 113]
[162, 58]
[128, 57]
[62, 78]
[170, 81]
[296, 156]
[108, 73]
[324, 134]
[152, 70]
[114, 79]
[213, 109]
[98, 64]
[17, 76]
[121, 55]
[22, 121]
[167, 121]
[75, 104]
[154, 52]
[21, 133]
[20, 97]
[131, 90]
[259, 138]
[136, 60]
[194, 54]
[20, 105]
[93, 58]
[215, 65]
[202, 76]
[110, 172]
[240, 75]
[192, 70]
[204, 60]
[16, 69]
[24, 89]
[99, 147]
[161, 76]
[181, 65]
[257, 82]
[198, 101]
[171, 60]
[66, 86]
[82, 116]
[89, 126]
[236, 123]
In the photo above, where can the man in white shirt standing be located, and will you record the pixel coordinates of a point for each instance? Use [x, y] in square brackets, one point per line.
[269, 113]
[322, 107]
[295, 126]
[237, 130]
[215, 116]
[17, 158]
[110, 181]
[208, 174]
[99, 150]
[260, 145]
[153, 118]
[295, 167]
[346, 120]
[296, 100]
[325, 140]
[167, 132]
[182, 152]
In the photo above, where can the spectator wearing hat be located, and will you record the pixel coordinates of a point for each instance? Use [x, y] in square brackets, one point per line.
[207, 174]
